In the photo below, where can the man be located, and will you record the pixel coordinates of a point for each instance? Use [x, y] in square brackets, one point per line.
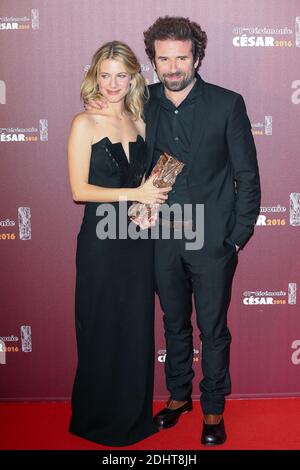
[207, 128]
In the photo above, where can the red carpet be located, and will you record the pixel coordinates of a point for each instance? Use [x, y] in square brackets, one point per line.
[250, 424]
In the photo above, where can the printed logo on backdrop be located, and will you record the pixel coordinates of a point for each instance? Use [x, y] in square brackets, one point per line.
[149, 74]
[15, 344]
[30, 134]
[296, 94]
[278, 215]
[263, 127]
[2, 92]
[2, 352]
[162, 354]
[9, 23]
[295, 357]
[295, 209]
[272, 297]
[255, 36]
[23, 227]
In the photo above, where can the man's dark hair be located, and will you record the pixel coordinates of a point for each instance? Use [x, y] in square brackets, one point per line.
[178, 29]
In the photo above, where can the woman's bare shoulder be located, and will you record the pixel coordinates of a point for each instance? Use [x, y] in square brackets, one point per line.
[140, 125]
[83, 119]
[82, 127]
[84, 122]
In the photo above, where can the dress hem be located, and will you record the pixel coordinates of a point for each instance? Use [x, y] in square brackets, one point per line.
[114, 444]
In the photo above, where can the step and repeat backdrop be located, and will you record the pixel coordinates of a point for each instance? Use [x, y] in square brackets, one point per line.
[46, 47]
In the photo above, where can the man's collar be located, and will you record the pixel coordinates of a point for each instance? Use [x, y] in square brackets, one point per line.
[191, 97]
[155, 88]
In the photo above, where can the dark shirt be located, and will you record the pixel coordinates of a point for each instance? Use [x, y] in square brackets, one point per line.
[174, 136]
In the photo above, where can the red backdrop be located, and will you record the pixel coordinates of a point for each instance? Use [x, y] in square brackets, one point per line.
[254, 49]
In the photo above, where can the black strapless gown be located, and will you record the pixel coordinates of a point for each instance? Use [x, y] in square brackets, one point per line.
[114, 313]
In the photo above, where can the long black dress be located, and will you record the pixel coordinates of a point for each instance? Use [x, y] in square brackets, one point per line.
[114, 311]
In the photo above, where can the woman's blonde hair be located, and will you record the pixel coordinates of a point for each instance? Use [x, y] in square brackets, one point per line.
[138, 92]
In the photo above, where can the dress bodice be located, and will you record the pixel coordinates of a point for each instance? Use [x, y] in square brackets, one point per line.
[110, 167]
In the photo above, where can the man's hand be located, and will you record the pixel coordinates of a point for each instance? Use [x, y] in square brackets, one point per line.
[95, 106]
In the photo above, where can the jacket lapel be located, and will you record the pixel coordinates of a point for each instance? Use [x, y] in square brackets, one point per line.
[151, 129]
[199, 122]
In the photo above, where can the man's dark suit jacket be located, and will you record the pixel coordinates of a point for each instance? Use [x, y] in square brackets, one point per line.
[223, 171]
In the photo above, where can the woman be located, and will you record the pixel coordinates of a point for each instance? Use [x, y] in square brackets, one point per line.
[112, 393]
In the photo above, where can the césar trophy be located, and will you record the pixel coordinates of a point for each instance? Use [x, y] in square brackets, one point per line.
[165, 171]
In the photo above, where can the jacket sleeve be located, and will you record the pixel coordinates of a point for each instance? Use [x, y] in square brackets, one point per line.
[242, 153]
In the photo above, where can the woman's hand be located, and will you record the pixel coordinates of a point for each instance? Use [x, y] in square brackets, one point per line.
[149, 194]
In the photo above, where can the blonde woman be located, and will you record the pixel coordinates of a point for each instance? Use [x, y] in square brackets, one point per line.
[114, 304]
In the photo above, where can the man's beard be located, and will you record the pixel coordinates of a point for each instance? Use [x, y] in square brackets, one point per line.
[178, 85]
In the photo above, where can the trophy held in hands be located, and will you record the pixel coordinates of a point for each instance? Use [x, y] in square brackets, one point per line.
[165, 171]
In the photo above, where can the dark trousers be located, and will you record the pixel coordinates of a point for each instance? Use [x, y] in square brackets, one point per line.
[180, 273]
